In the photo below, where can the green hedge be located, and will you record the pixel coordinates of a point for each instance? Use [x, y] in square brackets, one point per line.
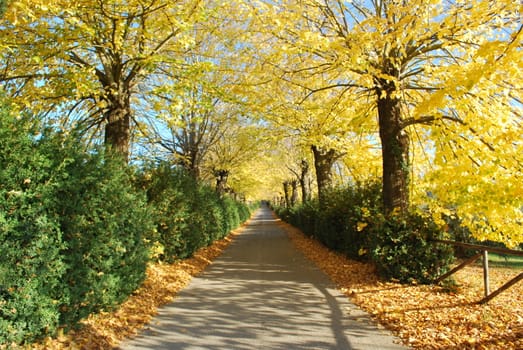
[188, 215]
[104, 221]
[402, 250]
[31, 262]
[350, 221]
[77, 228]
[342, 222]
[71, 226]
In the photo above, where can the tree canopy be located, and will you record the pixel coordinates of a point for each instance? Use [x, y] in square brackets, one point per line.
[443, 74]
[424, 94]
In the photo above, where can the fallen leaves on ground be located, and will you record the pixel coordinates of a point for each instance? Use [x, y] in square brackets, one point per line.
[107, 329]
[423, 317]
[428, 317]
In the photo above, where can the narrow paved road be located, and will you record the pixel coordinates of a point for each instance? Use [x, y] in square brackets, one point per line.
[261, 294]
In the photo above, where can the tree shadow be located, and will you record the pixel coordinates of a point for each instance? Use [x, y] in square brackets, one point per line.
[261, 293]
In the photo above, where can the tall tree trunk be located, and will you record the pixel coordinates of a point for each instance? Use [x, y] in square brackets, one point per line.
[286, 193]
[395, 155]
[294, 192]
[221, 180]
[118, 124]
[192, 152]
[323, 161]
[190, 161]
[304, 167]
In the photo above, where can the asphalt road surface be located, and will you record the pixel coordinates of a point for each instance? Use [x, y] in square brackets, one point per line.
[261, 293]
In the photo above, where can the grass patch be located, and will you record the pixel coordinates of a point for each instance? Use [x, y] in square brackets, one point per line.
[507, 261]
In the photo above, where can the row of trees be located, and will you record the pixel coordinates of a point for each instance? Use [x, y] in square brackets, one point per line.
[253, 94]
[433, 86]
[436, 85]
[139, 76]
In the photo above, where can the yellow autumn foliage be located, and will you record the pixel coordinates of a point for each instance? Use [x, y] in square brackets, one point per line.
[314, 71]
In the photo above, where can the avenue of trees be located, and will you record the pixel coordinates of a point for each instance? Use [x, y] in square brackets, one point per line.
[388, 116]
[436, 84]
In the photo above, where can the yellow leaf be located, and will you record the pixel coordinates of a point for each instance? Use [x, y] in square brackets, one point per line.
[361, 226]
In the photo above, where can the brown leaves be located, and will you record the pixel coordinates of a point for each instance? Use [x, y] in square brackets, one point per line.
[428, 317]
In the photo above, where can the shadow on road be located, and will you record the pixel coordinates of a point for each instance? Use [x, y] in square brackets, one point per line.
[261, 294]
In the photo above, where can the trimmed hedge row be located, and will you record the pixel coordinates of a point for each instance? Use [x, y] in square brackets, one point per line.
[350, 221]
[71, 231]
[77, 228]
[189, 215]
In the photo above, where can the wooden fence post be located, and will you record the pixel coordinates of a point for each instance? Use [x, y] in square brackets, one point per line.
[485, 273]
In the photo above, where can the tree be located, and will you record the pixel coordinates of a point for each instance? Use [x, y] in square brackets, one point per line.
[415, 65]
[314, 124]
[94, 56]
[302, 178]
[190, 117]
[294, 192]
[221, 176]
[191, 107]
[323, 161]
[238, 155]
[287, 193]
[302, 175]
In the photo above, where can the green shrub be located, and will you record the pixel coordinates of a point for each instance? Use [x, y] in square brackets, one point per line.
[168, 190]
[188, 215]
[230, 209]
[350, 221]
[284, 213]
[244, 211]
[71, 227]
[342, 222]
[332, 224]
[104, 221]
[31, 269]
[305, 217]
[31, 263]
[213, 216]
[402, 249]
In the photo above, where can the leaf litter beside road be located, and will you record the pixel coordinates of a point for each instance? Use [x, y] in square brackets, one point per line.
[423, 316]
